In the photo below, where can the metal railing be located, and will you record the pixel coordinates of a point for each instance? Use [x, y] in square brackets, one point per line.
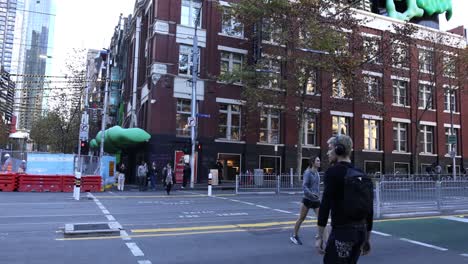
[404, 194]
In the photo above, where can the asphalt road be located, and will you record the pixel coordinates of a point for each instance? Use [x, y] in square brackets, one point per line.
[188, 227]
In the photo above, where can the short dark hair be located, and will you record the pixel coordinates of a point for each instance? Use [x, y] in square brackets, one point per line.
[312, 160]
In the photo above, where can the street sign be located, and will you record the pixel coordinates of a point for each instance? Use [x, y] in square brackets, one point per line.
[191, 121]
[84, 127]
[203, 115]
[452, 139]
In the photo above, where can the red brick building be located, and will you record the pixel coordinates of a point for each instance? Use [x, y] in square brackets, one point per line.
[383, 142]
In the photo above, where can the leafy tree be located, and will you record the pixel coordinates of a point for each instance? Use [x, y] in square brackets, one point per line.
[296, 44]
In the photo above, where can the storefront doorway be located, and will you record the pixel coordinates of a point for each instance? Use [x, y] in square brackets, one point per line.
[230, 166]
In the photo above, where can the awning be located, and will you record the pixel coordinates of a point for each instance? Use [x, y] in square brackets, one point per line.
[20, 134]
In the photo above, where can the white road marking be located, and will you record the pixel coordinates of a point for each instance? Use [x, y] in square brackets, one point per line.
[381, 234]
[248, 203]
[453, 218]
[101, 207]
[423, 244]
[282, 211]
[124, 235]
[464, 255]
[261, 206]
[235, 200]
[110, 217]
[144, 262]
[105, 211]
[136, 251]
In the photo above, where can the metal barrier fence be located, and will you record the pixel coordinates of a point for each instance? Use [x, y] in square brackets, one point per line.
[428, 197]
[406, 194]
[269, 183]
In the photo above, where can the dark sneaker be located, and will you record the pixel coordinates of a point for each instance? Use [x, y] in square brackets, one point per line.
[296, 240]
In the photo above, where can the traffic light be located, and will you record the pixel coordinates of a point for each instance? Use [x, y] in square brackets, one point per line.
[199, 147]
[84, 147]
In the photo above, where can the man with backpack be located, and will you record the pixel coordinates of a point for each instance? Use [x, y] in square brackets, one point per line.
[348, 195]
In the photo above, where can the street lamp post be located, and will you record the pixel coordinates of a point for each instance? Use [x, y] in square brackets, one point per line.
[193, 137]
[452, 133]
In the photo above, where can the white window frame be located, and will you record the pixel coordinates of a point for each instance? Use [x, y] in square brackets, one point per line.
[397, 87]
[231, 61]
[401, 49]
[187, 50]
[311, 86]
[372, 48]
[271, 34]
[373, 161]
[377, 96]
[274, 72]
[307, 121]
[425, 91]
[340, 124]
[401, 127]
[424, 55]
[267, 113]
[448, 71]
[184, 116]
[339, 88]
[229, 113]
[406, 163]
[448, 98]
[424, 132]
[228, 26]
[369, 138]
[191, 5]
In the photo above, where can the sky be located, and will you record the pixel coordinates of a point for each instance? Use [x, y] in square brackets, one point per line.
[85, 24]
[91, 23]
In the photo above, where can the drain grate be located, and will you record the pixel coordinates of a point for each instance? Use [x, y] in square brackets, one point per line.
[92, 229]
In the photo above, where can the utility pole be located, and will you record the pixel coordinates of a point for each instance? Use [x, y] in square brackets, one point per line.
[452, 133]
[195, 54]
[133, 122]
[104, 109]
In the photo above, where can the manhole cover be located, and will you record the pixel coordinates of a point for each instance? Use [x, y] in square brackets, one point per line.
[92, 229]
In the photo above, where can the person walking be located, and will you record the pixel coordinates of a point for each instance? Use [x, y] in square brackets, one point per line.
[153, 174]
[311, 199]
[121, 177]
[8, 164]
[348, 195]
[168, 171]
[22, 167]
[187, 174]
[168, 175]
[141, 175]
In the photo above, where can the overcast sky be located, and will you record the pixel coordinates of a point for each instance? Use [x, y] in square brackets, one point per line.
[90, 23]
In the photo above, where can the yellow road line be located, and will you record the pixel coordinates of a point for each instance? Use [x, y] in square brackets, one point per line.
[233, 226]
[181, 234]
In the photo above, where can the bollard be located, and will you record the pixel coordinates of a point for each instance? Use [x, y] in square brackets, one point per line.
[210, 179]
[237, 184]
[77, 188]
[377, 199]
[277, 184]
[438, 195]
[291, 171]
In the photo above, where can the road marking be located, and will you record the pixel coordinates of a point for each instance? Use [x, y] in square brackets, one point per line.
[282, 211]
[464, 255]
[232, 226]
[164, 196]
[423, 244]
[184, 233]
[381, 234]
[124, 235]
[261, 206]
[144, 262]
[234, 200]
[110, 217]
[136, 251]
[105, 211]
[101, 207]
[248, 203]
[453, 218]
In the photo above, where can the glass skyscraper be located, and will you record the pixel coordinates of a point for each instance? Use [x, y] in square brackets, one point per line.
[7, 30]
[35, 31]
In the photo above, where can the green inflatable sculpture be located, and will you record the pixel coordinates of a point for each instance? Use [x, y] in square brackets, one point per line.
[417, 8]
[117, 138]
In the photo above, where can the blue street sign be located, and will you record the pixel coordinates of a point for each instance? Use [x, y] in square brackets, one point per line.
[203, 115]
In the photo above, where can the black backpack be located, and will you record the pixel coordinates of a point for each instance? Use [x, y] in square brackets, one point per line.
[358, 195]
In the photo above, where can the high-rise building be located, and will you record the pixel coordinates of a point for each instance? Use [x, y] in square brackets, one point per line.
[36, 31]
[7, 30]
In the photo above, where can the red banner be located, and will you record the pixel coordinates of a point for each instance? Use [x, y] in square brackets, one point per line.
[179, 166]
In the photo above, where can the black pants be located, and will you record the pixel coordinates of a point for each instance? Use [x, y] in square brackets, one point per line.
[344, 244]
[185, 180]
[142, 183]
[168, 188]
